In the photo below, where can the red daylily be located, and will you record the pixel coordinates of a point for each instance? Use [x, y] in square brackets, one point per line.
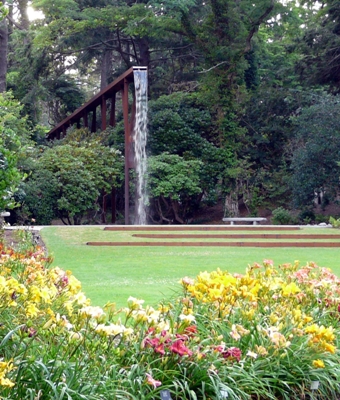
[190, 330]
[152, 342]
[178, 347]
[156, 344]
[233, 353]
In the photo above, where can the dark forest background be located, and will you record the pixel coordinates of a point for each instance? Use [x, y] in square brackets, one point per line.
[244, 108]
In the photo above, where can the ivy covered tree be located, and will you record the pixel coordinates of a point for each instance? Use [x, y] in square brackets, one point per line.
[181, 124]
[3, 47]
[13, 137]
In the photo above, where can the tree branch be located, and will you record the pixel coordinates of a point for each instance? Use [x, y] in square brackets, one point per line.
[256, 26]
[215, 66]
[12, 21]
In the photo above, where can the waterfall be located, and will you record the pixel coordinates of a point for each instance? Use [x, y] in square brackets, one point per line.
[140, 137]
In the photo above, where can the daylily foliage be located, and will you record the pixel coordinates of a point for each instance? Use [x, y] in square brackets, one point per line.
[267, 333]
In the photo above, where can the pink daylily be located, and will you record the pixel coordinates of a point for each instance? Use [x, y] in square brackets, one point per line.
[151, 381]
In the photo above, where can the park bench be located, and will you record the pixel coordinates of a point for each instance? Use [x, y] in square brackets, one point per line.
[3, 214]
[254, 220]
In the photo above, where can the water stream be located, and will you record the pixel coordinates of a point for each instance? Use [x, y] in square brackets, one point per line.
[140, 138]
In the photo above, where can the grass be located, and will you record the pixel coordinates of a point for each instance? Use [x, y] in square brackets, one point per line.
[152, 273]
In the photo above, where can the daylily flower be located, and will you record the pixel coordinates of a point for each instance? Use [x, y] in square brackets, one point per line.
[93, 312]
[190, 330]
[251, 354]
[187, 318]
[178, 347]
[233, 352]
[234, 334]
[261, 350]
[318, 364]
[151, 381]
[186, 281]
[156, 344]
[134, 304]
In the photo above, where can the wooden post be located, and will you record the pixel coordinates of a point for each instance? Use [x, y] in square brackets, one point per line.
[113, 110]
[125, 98]
[103, 112]
[86, 121]
[113, 205]
[112, 122]
[104, 207]
[94, 121]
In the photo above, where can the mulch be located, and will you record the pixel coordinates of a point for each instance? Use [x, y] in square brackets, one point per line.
[11, 238]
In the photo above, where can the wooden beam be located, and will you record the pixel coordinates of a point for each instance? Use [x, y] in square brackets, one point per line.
[96, 100]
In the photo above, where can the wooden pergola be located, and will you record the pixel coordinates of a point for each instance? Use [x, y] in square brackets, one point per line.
[86, 112]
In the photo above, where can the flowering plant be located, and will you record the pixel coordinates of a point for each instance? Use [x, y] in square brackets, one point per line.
[266, 334]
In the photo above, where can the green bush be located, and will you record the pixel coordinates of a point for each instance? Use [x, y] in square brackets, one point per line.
[307, 216]
[281, 216]
[334, 222]
[319, 218]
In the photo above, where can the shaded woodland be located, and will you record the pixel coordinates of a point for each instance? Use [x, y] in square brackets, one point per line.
[244, 107]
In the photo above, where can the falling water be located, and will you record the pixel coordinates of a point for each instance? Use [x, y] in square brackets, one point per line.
[140, 137]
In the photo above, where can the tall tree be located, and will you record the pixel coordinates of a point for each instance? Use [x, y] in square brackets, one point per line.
[3, 53]
[21, 23]
[316, 153]
[320, 45]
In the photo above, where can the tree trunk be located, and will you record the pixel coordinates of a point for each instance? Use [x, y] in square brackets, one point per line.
[3, 54]
[105, 68]
[175, 208]
[10, 19]
[144, 52]
[231, 206]
[24, 20]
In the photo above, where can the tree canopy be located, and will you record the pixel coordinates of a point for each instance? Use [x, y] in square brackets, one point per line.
[242, 94]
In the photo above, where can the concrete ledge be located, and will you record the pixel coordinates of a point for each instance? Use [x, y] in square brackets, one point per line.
[254, 220]
[179, 228]
[218, 244]
[296, 236]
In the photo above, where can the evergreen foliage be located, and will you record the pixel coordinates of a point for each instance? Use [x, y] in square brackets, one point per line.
[245, 90]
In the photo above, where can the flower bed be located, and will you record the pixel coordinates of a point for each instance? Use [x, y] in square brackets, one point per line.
[271, 333]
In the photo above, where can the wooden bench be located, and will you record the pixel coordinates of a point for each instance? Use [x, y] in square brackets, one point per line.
[254, 220]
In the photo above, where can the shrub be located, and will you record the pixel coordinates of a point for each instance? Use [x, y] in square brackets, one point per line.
[334, 222]
[281, 216]
[319, 218]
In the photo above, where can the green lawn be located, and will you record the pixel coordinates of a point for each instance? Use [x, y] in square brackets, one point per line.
[152, 273]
